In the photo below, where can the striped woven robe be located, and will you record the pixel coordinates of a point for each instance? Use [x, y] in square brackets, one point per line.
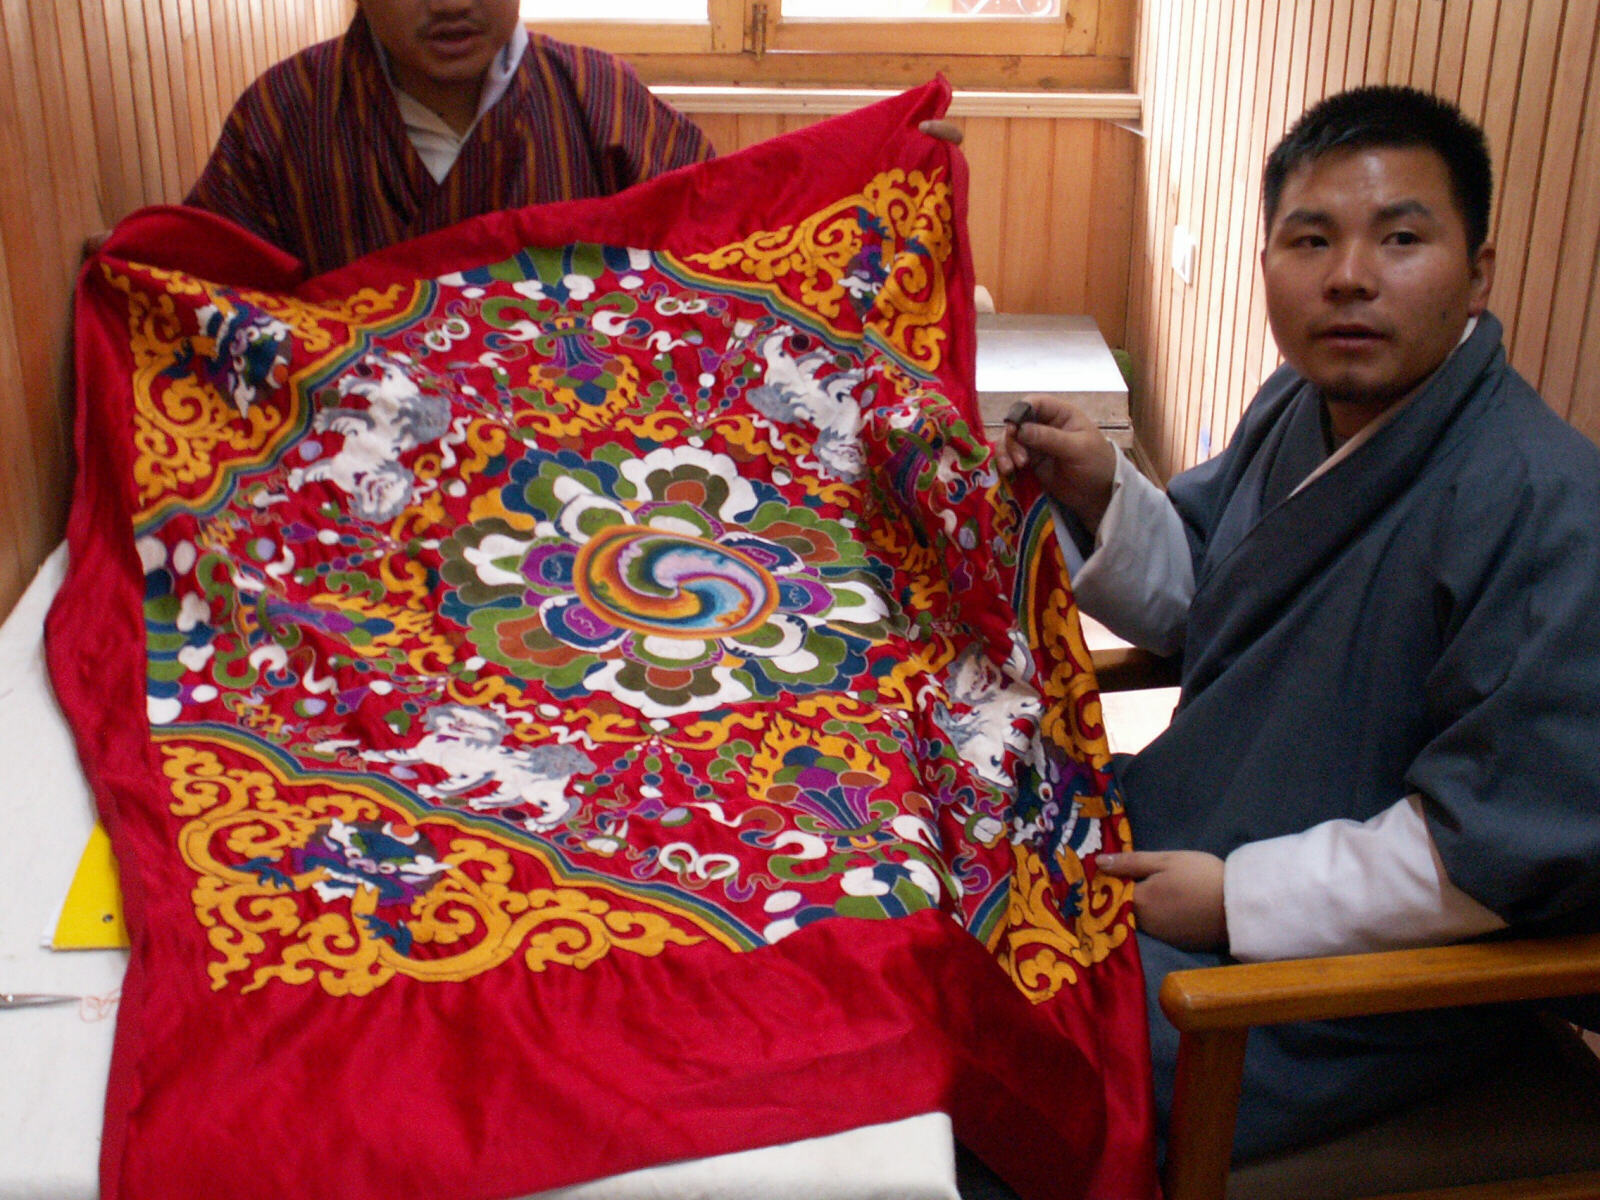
[315, 158]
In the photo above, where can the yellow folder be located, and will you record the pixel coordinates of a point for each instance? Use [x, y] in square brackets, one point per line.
[91, 916]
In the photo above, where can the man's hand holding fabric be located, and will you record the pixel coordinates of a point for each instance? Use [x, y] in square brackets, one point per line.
[1177, 895]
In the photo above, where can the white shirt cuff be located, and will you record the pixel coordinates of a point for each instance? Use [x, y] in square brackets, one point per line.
[1347, 887]
[1139, 580]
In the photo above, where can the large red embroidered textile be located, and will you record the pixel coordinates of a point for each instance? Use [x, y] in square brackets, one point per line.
[571, 693]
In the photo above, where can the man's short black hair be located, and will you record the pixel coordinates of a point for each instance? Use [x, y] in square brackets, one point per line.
[1385, 115]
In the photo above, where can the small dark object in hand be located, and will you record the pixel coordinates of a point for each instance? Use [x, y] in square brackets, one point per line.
[1019, 414]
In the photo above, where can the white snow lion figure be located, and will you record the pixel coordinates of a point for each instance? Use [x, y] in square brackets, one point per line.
[791, 392]
[987, 703]
[398, 417]
[467, 744]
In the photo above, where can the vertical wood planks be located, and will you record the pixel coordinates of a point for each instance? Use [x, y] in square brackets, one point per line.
[1576, 270]
[985, 148]
[1525, 70]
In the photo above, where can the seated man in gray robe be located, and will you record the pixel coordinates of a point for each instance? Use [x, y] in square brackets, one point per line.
[1386, 593]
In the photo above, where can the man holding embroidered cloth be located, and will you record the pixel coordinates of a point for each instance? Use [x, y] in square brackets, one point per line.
[1385, 592]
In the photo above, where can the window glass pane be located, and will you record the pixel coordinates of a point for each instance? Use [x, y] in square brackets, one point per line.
[879, 10]
[535, 11]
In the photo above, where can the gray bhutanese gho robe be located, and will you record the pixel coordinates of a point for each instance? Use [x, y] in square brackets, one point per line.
[1424, 617]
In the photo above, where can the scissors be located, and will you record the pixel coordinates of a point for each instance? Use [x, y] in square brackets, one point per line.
[35, 999]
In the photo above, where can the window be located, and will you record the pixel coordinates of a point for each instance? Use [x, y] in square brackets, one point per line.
[977, 43]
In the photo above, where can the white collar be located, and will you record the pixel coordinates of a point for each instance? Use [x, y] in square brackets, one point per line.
[435, 142]
[1370, 429]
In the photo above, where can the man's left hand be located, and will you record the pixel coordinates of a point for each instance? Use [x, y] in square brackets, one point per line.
[945, 131]
[1177, 895]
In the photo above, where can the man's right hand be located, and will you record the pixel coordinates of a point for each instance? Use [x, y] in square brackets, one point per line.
[1071, 458]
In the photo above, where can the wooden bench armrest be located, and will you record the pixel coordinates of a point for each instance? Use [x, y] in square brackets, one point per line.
[1315, 989]
[1214, 1008]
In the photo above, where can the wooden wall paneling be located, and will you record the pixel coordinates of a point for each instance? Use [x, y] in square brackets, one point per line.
[1245, 291]
[1225, 226]
[1402, 42]
[1168, 139]
[1206, 219]
[1161, 104]
[1294, 100]
[272, 27]
[1180, 128]
[1380, 26]
[1338, 46]
[19, 525]
[185, 84]
[1244, 311]
[1577, 267]
[1083, 19]
[1355, 61]
[1110, 230]
[1198, 210]
[1454, 24]
[1188, 197]
[205, 99]
[1179, 133]
[985, 148]
[64, 204]
[225, 67]
[1141, 267]
[288, 40]
[136, 45]
[1260, 350]
[1025, 239]
[118, 121]
[1504, 71]
[1523, 154]
[1156, 57]
[1142, 403]
[1482, 26]
[1317, 56]
[257, 49]
[237, 75]
[64, 50]
[43, 195]
[111, 170]
[1425, 55]
[1583, 407]
[721, 128]
[1070, 206]
[1549, 227]
[20, 534]
[219, 57]
[159, 84]
[28, 287]
[1115, 24]
[759, 127]
[274, 46]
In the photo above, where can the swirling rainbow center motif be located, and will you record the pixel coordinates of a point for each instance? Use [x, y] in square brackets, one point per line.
[672, 584]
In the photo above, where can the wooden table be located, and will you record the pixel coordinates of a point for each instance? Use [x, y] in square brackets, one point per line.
[1065, 356]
